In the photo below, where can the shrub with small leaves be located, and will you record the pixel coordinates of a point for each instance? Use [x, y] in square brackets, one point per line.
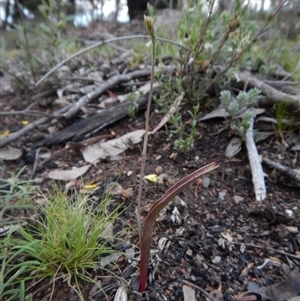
[239, 114]
[214, 39]
[134, 106]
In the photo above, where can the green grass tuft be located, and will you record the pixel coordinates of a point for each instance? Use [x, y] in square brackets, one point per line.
[65, 239]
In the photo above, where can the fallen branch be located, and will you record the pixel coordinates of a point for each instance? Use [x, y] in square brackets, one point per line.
[16, 135]
[77, 131]
[110, 83]
[284, 86]
[255, 165]
[267, 248]
[269, 91]
[272, 94]
[284, 169]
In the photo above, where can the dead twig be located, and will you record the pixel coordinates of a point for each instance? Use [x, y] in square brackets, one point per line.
[270, 92]
[268, 248]
[117, 79]
[101, 44]
[16, 135]
[256, 168]
[284, 169]
[24, 112]
[36, 161]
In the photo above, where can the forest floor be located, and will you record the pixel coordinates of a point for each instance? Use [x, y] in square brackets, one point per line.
[223, 242]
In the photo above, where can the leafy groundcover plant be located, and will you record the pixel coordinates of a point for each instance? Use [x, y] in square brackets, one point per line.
[64, 240]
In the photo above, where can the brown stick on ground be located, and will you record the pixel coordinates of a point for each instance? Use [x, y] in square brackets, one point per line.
[284, 169]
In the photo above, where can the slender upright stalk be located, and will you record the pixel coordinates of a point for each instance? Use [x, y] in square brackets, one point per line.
[27, 47]
[150, 26]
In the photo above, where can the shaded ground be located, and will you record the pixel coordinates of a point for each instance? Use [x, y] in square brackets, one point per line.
[223, 241]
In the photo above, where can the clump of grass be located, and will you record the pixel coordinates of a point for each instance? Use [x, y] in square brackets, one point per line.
[65, 240]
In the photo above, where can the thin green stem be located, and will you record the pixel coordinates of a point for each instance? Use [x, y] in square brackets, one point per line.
[27, 50]
[150, 26]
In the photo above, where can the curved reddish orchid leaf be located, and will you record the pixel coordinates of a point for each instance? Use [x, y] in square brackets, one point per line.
[161, 203]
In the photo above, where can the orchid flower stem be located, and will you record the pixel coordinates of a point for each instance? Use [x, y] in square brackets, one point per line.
[150, 26]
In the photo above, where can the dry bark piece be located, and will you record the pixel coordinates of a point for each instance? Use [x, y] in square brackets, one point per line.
[284, 290]
[256, 168]
[10, 153]
[68, 175]
[111, 149]
[121, 294]
[100, 120]
[172, 110]
[233, 147]
[127, 193]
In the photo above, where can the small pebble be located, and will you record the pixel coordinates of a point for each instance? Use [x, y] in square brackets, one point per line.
[222, 194]
[159, 170]
[216, 229]
[173, 156]
[292, 229]
[188, 293]
[163, 178]
[189, 252]
[217, 260]
[199, 258]
[114, 189]
[193, 278]
[237, 198]
[206, 182]
[158, 157]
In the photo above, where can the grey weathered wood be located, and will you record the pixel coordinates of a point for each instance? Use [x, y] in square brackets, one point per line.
[76, 132]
